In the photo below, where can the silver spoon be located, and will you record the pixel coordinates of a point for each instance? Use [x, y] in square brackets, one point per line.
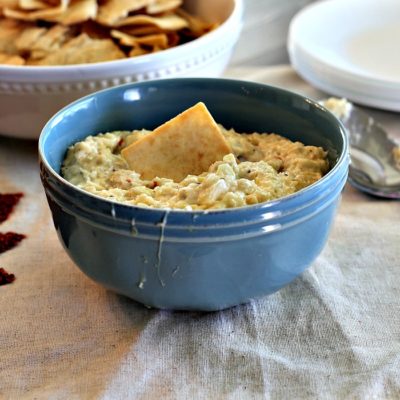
[375, 157]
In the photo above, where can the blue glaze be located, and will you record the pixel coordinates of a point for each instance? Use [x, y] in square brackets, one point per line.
[206, 261]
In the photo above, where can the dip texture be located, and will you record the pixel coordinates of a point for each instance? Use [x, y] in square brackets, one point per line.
[261, 167]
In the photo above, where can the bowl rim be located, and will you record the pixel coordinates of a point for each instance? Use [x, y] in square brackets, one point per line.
[343, 158]
[97, 67]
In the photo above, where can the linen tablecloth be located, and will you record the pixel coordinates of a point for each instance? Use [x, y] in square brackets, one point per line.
[333, 333]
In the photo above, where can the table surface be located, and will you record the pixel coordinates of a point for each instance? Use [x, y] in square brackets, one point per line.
[333, 333]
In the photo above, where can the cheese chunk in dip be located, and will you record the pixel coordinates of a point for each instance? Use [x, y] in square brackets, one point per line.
[260, 168]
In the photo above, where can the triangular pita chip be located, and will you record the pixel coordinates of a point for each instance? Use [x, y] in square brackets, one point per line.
[185, 145]
[142, 30]
[83, 49]
[28, 38]
[168, 22]
[40, 42]
[8, 4]
[45, 14]
[33, 4]
[10, 30]
[113, 10]
[77, 12]
[161, 6]
[11, 59]
[159, 40]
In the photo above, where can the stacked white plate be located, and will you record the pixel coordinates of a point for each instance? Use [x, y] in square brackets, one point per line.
[350, 49]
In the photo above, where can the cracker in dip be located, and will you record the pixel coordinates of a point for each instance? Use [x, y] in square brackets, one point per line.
[260, 167]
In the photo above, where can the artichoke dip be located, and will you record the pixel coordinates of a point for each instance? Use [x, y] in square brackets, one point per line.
[259, 167]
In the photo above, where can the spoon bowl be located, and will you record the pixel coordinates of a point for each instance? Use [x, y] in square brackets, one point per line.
[374, 166]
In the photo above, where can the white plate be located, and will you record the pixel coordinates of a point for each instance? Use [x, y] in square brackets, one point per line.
[350, 49]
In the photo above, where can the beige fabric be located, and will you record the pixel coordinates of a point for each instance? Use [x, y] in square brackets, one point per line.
[334, 333]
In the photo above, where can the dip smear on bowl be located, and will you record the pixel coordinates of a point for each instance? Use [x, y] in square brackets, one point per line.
[258, 167]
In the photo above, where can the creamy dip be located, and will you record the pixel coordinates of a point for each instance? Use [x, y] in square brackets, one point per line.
[261, 167]
[340, 108]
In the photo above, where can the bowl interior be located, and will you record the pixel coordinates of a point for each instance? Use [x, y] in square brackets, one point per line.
[245, 106]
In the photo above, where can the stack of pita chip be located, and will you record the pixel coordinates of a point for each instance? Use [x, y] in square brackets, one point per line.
[61, 32]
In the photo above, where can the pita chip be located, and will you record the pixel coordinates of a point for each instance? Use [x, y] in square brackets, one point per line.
[77, 12]
[11, 59]
[168, 22]
[161, 6]
[185, 145]
[83, 49]
[113, 10]
[159, 40]
[46, 14]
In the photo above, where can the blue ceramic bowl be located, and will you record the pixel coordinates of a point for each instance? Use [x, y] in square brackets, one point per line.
[194, 260]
